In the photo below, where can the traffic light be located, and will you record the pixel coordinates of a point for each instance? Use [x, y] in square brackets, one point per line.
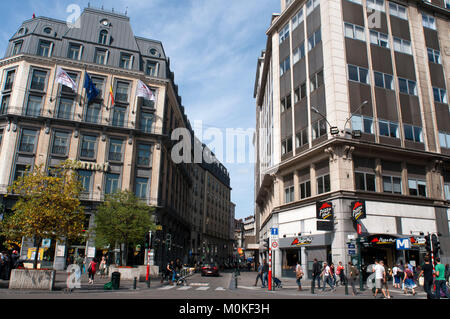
[434, 241]
[266, 243]
[427, 243]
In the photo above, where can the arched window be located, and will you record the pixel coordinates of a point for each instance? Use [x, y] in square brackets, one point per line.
[103, 37]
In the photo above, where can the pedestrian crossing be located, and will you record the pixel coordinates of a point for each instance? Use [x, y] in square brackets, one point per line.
[191, 287]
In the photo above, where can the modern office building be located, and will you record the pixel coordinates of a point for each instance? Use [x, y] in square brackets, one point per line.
[353, 126]
[121, 141]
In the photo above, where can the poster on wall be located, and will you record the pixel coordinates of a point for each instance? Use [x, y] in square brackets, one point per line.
[325, 211]
[91, 252]
[60, 250]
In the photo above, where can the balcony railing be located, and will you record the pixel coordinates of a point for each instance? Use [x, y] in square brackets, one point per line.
[39, 86]
[59, 150]
[121, 97]
[26, 147]
[117, 157]
[87, 153]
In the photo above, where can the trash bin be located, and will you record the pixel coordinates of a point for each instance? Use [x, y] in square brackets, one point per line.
[115, 280]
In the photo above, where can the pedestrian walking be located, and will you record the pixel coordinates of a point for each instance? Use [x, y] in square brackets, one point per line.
[316, 274]
[103, 267]
[92, 269]
[333, 274]
[379, 277]
[396, 277]
[260, 275]
[170, 271]
[79, 261]
[15, 259]
[265, 271]
[353, 274]
[408, 280]
[327, 277]
[385, 282]
[340, 271]
[440, 280]
[427, 272]
[299, 275]
[6, 266]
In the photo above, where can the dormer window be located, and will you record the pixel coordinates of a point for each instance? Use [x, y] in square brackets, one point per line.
[103, 38]
[47, 30]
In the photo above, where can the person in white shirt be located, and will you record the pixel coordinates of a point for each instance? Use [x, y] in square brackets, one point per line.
[327, 277]
[396, 277]
[379, 278]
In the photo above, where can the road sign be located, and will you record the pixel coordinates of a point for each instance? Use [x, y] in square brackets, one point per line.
[403, 244]
[351, 246]
[352, 252]
[274, 232]
[275, 245]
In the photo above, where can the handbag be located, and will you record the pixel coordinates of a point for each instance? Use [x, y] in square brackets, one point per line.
[421, 281]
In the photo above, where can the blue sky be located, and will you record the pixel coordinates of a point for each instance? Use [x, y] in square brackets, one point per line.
[213, 46]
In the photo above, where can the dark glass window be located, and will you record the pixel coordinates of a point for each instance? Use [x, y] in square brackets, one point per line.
[115, 150]
[65, 108]
[88, 147]
[28, 141]
[60, 143]
[112, 183]
[141, 188]
[144, 155]
[93, 113]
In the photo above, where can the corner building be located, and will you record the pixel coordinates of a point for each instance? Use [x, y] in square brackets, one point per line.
[120, 146]
[323, 60]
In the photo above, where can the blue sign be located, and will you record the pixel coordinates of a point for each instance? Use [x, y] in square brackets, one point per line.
[403, 244]
[352, 252]
[274, 231]
[351, 246]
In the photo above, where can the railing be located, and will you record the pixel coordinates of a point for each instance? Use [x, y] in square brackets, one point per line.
[27, 148]
[39, 86]
[143, 161]
[59, 150]
[121, 97]
[115, 157]
[87, 153]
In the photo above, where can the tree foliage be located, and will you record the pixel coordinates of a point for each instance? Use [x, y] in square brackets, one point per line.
[122, 219]
[48, 206]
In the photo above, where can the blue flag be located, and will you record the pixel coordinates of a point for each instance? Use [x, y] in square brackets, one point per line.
[91, 91]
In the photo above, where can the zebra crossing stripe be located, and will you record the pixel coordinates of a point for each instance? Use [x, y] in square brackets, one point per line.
[184, 288]
[166, 288]
[220, 289]
[203, 288]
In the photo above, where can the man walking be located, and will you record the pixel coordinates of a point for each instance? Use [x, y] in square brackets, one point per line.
[379, 277]
[316, 274]
[265, 270]
[260, 275]
[440, 280]
[327, 277]
[353, 274]
[427, 272]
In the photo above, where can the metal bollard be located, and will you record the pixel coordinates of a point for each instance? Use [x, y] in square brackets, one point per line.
[346, 288]
[312, 286]
[135, 283]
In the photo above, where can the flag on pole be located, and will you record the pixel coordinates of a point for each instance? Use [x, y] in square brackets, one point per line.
[111, 93]
[144, 91]
[91, 91]
[63, 78]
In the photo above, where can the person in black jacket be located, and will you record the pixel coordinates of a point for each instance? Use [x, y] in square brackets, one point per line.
[265, 270]
[316, 272]
[14, 259]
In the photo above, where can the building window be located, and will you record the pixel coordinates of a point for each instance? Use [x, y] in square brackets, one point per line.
[365, 182]
[403, 46]
[407, 86]
[93, 113]
[311, 5]
[434, 56]
[362, 123]
[115, 150]
[144, 155]
[305, 190]
[17, 47]
[125, 61]
[5, 104]
[65, 109]
[20, 171]
[302, 138]
[146, 122]
[34, 105]
[440, 95]
[74, 51]
[358, 74]
[383, 80]
[319, 129]
[119, 115]
[103, 37]
[285, 66]
[289, 195]
[38, 80]
[392, 185]
[376, 5]
[286, 146]
[101, 56]
[122, 92]
[300, 93]
[354, 32]
[44, 48]
[86, 180]
[112, 183]
[28, 141]
[299, 52]
[297, 19]
[323, 184]
[444, 140]
[284, 33]
[141, 188]
[152, 68]
[60, 144]
[316, 81]
[398, 11]
[447, 191]
[417, 188]
[413, 133]
[389, 129]
[9, 81]
[286, 103]
[99, 84]
[88, 147]
[379, 39]
[314, 39]
[356, 1]
[428, 21]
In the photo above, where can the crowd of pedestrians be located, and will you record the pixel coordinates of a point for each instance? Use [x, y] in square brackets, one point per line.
[8, 262]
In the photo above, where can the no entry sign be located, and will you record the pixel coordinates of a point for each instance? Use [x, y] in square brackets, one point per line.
[275, 245]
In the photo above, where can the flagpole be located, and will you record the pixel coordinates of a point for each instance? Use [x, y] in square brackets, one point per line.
[85, 92]
[53, 85]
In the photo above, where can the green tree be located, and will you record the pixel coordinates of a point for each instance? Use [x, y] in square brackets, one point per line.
[122, 219]
[48, 206]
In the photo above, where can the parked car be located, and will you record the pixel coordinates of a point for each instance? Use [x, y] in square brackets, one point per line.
[210, 270]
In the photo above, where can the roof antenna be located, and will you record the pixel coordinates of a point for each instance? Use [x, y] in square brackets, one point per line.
[126, 11]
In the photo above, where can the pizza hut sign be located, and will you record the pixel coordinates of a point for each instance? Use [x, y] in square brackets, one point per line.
[358, 210]
[325, 211]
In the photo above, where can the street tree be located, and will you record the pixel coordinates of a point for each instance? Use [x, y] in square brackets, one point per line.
[47, 207]
[122, 219]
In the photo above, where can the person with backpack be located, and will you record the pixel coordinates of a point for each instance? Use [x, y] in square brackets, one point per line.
[408, 280]
[92, 269]
[354, 275]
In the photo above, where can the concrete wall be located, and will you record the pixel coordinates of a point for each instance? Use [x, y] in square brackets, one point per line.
[32, 279]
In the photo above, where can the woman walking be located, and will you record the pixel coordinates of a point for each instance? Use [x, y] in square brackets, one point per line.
[299, 275]
[92, 269]
[103, 267]
[408, 281]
